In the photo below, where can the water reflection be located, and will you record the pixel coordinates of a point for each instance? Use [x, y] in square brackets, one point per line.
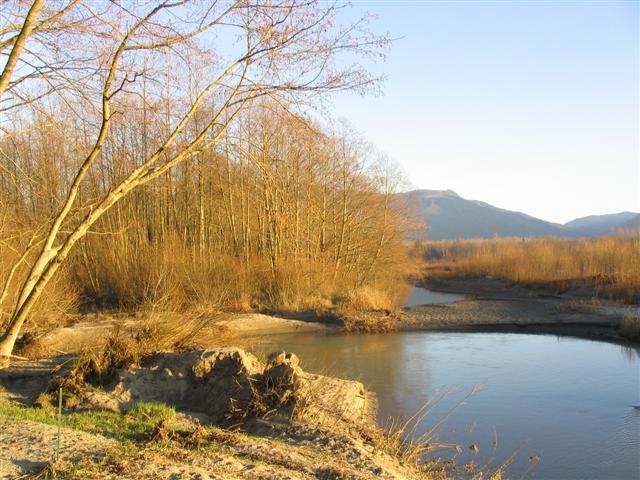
[568, 401]
[630, 353]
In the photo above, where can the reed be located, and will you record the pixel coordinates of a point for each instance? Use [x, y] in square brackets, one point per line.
[630, 327]
[610, 264]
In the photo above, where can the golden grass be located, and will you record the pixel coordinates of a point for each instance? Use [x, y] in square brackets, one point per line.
[367, 298]
[98, 364]
[58, 299]
[171, 277]
[611, 264]
[400, 438]
[630, 327]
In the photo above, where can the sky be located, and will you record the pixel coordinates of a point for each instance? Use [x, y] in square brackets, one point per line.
[527, 105]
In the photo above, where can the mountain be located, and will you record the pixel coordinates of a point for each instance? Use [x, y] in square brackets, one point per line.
[449, 216]
[630, 225]
[595, 225]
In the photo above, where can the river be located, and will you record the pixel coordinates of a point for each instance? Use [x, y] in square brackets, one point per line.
[560, 407]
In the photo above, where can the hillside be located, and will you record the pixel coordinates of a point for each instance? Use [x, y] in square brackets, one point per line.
[632, 224]
[449, 216]
[595, 225]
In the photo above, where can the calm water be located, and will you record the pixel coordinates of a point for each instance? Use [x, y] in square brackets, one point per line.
[422, 296]
[568, 401]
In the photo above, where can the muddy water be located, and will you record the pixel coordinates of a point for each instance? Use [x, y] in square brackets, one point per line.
[567, 402]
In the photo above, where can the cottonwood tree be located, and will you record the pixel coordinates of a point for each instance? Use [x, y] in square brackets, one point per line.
[105, 61]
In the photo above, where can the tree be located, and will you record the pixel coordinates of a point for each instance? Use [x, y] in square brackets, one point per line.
[284, 50]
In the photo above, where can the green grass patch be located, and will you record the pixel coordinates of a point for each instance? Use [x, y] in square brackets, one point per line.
[134, 425]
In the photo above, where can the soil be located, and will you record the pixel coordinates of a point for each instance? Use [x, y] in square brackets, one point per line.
[29, 446]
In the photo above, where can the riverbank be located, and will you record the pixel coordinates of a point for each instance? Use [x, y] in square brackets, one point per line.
[258, 446]
[493, 305]
[486, 305]
[217, 414]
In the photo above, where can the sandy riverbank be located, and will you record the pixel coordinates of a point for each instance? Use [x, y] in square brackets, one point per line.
[208, 414]
[492, 305]
[275, 448]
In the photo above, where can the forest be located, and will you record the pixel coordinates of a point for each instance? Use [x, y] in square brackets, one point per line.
[175, 156]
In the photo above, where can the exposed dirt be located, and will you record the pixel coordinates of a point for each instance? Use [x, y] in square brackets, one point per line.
[239, 328]
[255, 324]
[25, 380]
[28, 446]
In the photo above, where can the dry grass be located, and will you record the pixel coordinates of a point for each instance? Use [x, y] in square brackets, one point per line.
[59, 298]
[367, 298]
[170, 277]
[122, 273]
[401, 439]
[610, 264]
[98, 364]
[371, 310]
[630, 327]
[369, 322]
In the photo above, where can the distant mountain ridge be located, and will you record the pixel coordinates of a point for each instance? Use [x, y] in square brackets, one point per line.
[632, 224]
[449, 216]
[595, 225]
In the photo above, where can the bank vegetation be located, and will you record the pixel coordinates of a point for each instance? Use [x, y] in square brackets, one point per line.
[609, 265]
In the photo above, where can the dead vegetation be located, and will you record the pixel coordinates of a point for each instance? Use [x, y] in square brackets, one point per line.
[609, 266]
[370, 322]
[177, 178]
[99, 363]
[630, 328]
[159, 331]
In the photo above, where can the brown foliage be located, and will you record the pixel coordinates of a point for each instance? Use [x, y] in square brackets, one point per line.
[99, 364]
[132, 102]
[610, 265]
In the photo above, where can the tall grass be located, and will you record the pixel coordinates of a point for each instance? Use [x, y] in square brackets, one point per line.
[611, 264]
[171, 276]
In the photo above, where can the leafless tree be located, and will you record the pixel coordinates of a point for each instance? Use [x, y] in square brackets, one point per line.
[284, 50]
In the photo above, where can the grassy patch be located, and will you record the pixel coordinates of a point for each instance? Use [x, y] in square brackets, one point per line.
[137, 424]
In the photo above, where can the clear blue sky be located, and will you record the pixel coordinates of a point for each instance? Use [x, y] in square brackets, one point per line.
[528, 105]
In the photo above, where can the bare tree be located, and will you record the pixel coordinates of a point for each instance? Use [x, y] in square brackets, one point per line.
[282, 49]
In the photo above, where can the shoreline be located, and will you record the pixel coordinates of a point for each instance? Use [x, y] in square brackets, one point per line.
[489, 306]
[255, 420]
[492, 305]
